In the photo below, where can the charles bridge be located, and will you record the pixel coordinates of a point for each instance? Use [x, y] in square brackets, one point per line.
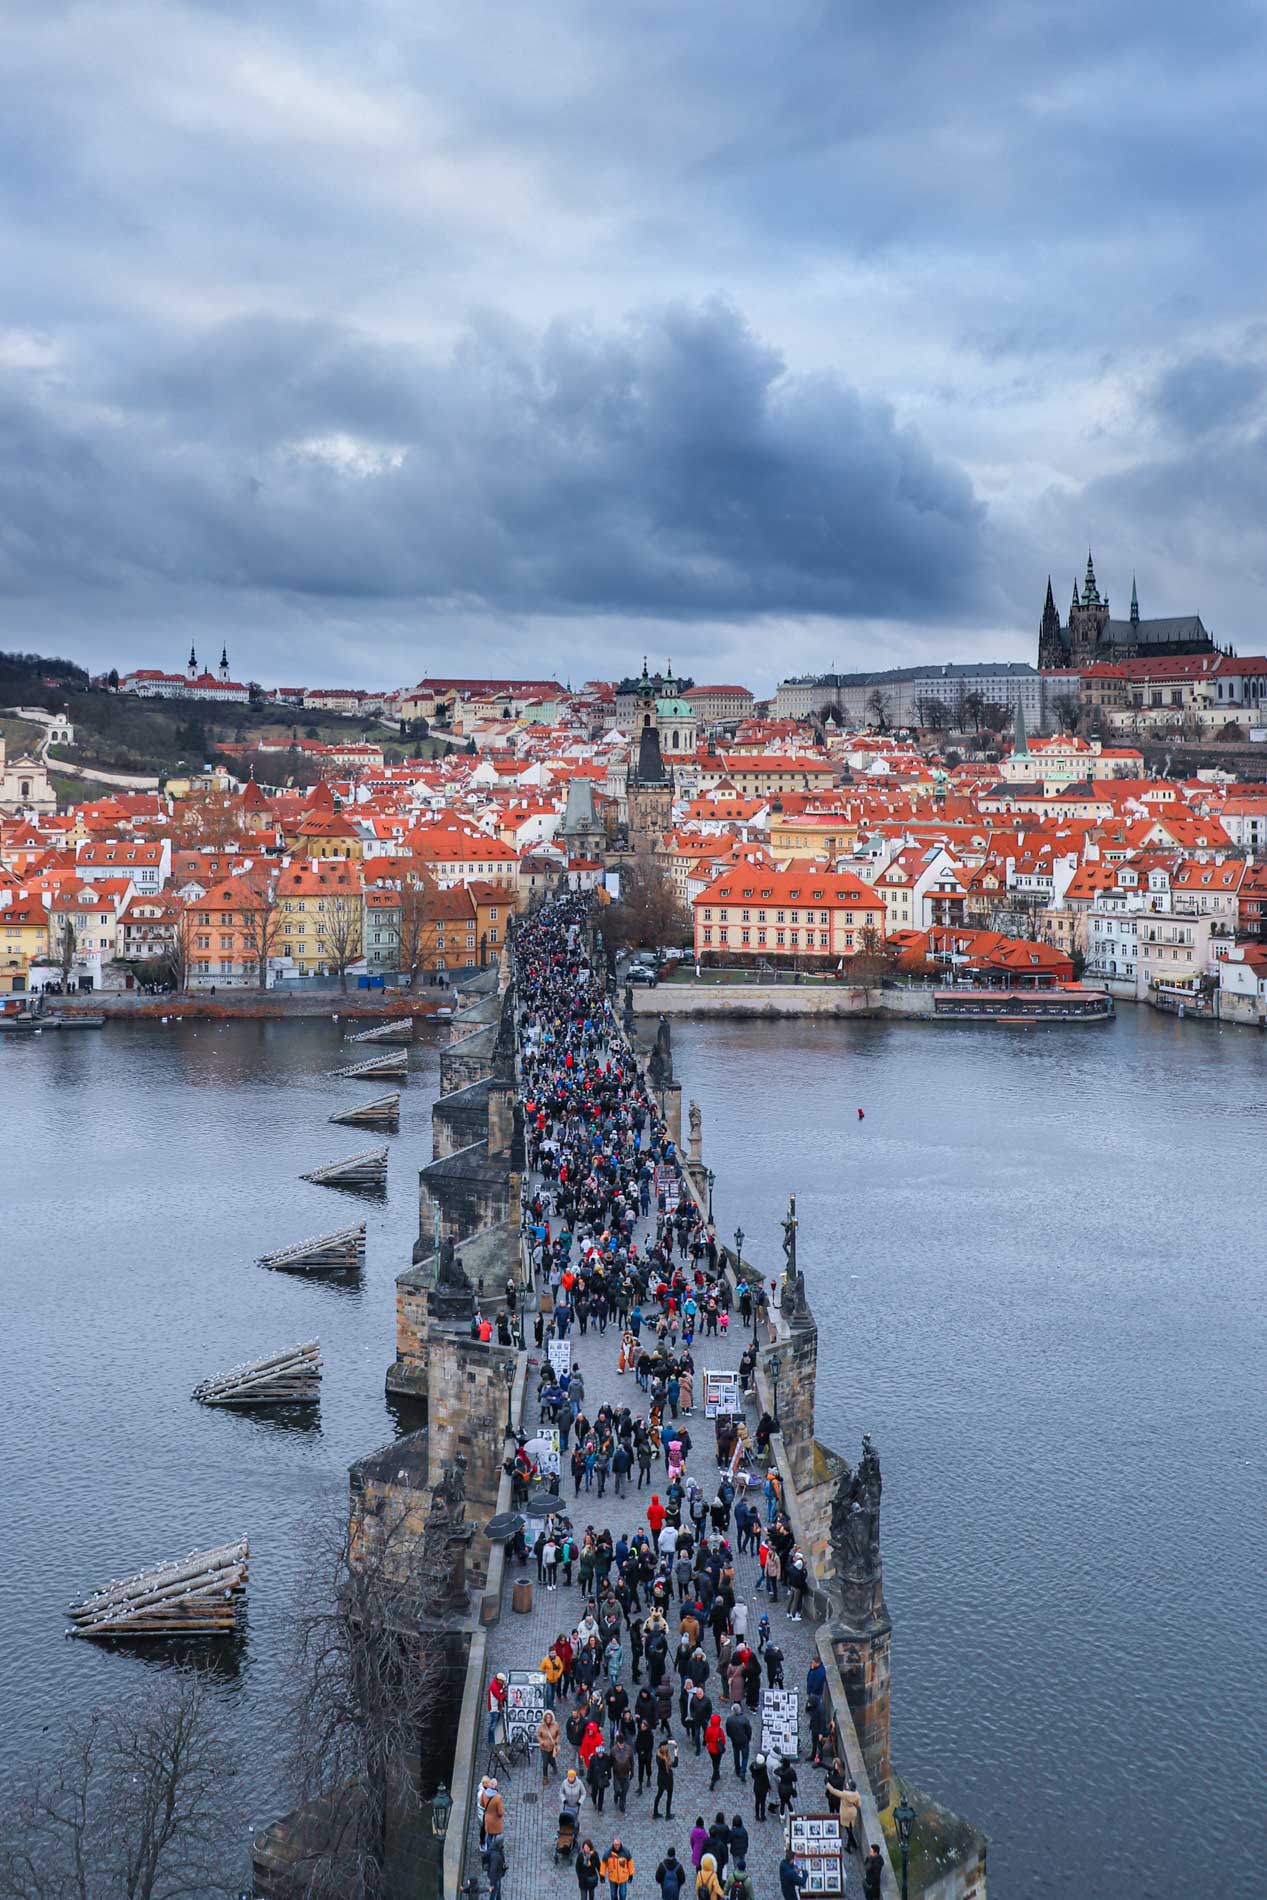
[448, 1484]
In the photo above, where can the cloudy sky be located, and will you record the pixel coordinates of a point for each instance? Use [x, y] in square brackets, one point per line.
[378, 337]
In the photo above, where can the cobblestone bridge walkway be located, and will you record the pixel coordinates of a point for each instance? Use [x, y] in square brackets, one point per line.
[520, 1642]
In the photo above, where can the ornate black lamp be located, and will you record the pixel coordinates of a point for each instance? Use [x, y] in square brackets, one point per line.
[441, 1809]
[710, 1177]
[904, 1821]
[508, 1373]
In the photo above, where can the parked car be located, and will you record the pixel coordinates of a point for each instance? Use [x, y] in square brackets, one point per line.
[641, 976]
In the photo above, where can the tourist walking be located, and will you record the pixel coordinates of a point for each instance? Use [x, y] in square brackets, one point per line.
[760, 1785]
[665, 1776]
[589, 1869]
[618, 1870]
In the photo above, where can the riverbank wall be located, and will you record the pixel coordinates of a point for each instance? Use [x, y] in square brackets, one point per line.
[130, 1006]
[737, 1001]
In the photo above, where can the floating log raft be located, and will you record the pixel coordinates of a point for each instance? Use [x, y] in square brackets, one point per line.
[365, 1174]
[395, 1063]
[202, 1595]
[292, 1377]
[326, 1253]
[382, 1112]
[399, 1029]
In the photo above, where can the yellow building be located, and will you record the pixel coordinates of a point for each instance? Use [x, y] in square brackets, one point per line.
[319, 922]
[329, 835]
[23, 935]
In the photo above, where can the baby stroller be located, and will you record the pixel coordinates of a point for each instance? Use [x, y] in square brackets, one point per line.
[565, 1839]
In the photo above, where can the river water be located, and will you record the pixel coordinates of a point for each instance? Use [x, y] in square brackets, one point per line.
[1037, 1268]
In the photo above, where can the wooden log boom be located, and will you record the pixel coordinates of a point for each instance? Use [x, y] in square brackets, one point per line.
[292, 1377]
[382, 1112]
[399, 1029]
[200, 1595]
[395, 1064]
[325, 1253]
[367, 1173]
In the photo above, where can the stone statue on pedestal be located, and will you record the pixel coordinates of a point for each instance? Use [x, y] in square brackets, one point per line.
[697, 1128]
[454, 1296]
[442, 1570]
[855, 1537]
[661, 1064]
[792, 1297]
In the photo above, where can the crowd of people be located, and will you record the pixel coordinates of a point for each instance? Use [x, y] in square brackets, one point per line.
[661, 1653]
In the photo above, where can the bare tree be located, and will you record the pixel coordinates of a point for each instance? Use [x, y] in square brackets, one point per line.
[874, 958]
[973, 707]
[366, 1683]
[134, 1806]
[648, 912]
[416, 892]
[1068, 710]
[259, 919]
[178, 958]
[66, 949]
[878, 707]
[339, 927]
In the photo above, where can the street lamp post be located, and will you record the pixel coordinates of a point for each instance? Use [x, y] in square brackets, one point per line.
[710, 1177]
[441, 1811]
[508, 1372]
[904, 1820]
[774, 1374]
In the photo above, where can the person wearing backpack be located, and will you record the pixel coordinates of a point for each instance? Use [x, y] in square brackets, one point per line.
[740, 1887]
[671, 1876]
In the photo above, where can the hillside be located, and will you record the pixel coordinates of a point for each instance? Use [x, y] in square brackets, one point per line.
[120, 733]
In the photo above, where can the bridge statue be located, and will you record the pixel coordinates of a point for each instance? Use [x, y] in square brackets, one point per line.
[855, 1537]
[792, 1298]
[454, 1296]
[442, 1587]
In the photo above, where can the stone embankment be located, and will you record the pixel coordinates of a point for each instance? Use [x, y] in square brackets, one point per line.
[130, 1006]
[740, 1000]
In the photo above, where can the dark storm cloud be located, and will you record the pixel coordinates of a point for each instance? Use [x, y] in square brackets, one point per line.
[669, 466]
[989, 249]
[1207, 392]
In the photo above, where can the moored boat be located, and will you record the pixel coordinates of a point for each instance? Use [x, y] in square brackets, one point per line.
[1063, 1003]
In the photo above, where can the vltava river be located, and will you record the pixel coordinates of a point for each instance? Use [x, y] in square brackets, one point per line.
[1038, 1271]
[1037, 1267]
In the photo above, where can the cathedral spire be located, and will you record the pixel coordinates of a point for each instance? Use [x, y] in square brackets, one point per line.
[1134, 604]
[1020, 745]
[1090, 592]
[1073, 608]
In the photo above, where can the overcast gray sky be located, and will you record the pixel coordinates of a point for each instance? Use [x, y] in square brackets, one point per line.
[385, 337]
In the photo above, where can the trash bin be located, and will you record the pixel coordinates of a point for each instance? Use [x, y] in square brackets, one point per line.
[521, 1595]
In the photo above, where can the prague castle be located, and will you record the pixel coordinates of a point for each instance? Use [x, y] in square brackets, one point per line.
[1092, 634]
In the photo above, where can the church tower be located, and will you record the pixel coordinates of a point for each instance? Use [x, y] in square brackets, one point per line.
[1051, 643]
[1088, 618]
[192, 668]
[224, 664]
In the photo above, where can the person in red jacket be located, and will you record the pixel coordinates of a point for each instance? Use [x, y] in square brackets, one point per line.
[655, 1515]
[715, 1743]
[495, 1702]
[592, 1739]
